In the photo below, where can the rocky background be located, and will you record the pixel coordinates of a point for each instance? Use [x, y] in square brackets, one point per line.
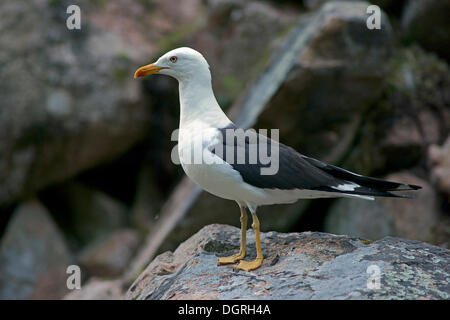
[85, 170]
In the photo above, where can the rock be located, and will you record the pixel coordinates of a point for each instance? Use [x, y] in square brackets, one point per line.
[308, 265]
[439, 160]
[33, 256]
[412, 114]
[426, 22]
[320, 105]
[97, 289]
[407, 218]
[84, 213]
[254, 29]
[108, 257]
[70, 102]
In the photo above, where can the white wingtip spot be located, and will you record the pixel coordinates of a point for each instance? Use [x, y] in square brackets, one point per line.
[367, 198]
[346, 187]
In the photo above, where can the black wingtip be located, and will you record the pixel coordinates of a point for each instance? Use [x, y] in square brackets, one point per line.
[405, 187]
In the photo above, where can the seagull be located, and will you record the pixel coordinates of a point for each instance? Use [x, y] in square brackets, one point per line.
[236, 164]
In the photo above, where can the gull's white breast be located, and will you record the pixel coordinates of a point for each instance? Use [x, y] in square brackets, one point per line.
[212, 173]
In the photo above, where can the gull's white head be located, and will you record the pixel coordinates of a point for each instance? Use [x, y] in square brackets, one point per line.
[191, 70]
[181, 63]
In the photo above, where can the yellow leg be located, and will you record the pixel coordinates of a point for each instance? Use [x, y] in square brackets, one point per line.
[255, 264]
[243, 250]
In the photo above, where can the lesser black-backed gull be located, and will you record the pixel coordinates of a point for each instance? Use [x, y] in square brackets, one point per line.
[205, 130]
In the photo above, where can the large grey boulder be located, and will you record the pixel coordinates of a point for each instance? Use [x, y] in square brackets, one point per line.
[33, 256]
[308, 265]
[68, 97]
[69, 100]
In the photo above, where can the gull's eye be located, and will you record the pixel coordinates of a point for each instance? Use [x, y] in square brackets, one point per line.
[173, 59]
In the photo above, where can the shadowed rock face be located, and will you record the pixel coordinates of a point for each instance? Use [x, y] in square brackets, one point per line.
[411, 219]
[68, 98]
[109, 256]
[309, 265]
[426, 22]
[33, 256]
[336, 77]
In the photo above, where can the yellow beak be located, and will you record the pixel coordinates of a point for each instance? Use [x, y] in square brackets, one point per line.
[147, 70]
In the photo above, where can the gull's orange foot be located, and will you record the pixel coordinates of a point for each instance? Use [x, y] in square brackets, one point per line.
[231, 259]
[250, 265]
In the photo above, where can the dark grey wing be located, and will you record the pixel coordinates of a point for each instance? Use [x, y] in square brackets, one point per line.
[295, 171]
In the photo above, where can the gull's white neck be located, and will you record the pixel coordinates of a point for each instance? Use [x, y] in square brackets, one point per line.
[198, 105]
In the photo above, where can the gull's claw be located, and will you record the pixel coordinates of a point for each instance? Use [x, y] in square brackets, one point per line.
[250, 265]
[231, 259]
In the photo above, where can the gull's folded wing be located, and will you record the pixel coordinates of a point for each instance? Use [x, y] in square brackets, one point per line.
[296, 171]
